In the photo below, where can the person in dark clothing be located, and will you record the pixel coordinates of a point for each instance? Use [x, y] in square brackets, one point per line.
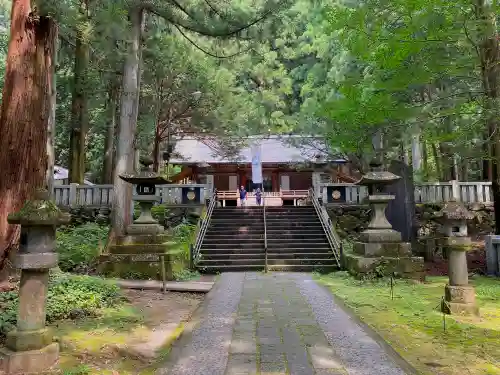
[258, 196]
[243, 196]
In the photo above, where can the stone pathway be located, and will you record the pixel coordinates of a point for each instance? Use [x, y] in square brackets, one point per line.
[276, 324]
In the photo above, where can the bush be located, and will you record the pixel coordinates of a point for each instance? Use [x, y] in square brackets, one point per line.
[69, 297]
[78, 246]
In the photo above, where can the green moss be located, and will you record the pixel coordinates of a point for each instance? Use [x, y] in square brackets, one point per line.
[413, 324]
[38, 211]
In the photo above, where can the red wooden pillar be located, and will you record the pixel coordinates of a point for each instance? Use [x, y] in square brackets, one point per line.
[243, 178]
[274, 181]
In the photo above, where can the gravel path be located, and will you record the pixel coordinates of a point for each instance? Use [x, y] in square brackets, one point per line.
[276, 324]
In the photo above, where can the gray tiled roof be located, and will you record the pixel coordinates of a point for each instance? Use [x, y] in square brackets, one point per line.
[283, 149]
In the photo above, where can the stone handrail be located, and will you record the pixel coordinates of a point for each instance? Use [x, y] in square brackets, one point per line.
[326, 223]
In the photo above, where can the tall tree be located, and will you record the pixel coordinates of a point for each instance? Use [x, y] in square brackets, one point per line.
[25, 113]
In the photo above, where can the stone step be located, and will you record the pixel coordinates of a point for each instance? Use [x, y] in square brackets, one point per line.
[226, 229]
[259, 249]
[233, 241]
[242, 236]
[317, 231]
[234, 246]
[270, 256]
[291, 240]
[324, 268]
[298, 245]
[230, 252]
[239, 262]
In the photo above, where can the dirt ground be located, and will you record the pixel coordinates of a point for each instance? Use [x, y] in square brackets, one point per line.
[158, 308]
[92, 347]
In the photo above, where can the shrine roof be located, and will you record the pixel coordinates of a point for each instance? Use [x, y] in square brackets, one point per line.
[274, 149]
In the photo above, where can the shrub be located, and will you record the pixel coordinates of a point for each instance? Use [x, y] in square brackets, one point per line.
[78, 246]
[69, 297]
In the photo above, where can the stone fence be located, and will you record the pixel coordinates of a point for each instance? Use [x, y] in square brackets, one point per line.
[97, 196]
[428, 192]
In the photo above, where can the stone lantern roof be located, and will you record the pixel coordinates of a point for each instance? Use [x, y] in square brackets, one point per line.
[454, 210]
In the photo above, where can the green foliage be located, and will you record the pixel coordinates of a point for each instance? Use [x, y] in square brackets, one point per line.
[69, 297]
[78, 246]
[184, 235]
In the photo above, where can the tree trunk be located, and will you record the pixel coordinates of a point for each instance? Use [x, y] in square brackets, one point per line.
[109, 144]
[25, 115]
[489, 52]
[156, 153]
[51, 129]
[437, 160]
[416, 154]
[129, 108]
[79, 111]
[425, 159]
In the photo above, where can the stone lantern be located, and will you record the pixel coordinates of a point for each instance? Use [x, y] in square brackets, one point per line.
[29, 348]
[380, 249]
[145, 182]
[460, 297]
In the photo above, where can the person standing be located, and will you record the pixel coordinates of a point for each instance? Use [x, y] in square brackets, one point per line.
[258, 196]
[243, 196]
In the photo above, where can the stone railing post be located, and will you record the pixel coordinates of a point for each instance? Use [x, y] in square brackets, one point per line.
[455, 191]
[29, 348]
[73, 198]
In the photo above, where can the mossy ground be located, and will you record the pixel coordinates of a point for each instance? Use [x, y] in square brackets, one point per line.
[413, 324]
[90, 346]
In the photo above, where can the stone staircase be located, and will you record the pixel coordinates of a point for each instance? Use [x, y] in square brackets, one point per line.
[235, 240]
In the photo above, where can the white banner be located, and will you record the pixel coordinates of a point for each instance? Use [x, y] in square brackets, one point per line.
[256, 164]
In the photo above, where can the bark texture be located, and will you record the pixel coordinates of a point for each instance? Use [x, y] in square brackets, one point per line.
[79, 111]
[109, 143]
[25, 115]
[129, 108]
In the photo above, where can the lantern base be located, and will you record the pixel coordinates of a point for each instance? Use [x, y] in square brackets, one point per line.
[375, 235]
[29, 362]
[460, 300]
[404, 267]
[138, 229]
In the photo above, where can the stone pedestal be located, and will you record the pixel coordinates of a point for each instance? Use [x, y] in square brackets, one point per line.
[380, 250]
[29, 348]
[145, 223]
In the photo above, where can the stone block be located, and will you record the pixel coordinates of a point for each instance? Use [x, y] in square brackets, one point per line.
[150, 228]
[460, 300]
[122, 266]
[390, 249]
[492, 246]
[28, 340]
[29, 362]
[36, 261]
[143, 239]
[406, 267]
[380, 236]
[138, 249]
[460, 294]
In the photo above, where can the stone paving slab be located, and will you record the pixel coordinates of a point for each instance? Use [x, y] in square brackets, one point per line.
[277, 324]
[172, 286]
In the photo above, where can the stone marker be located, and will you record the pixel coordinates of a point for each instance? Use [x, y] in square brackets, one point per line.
[460, 297]
[29, 348]
[492, 246]
[381, 250]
